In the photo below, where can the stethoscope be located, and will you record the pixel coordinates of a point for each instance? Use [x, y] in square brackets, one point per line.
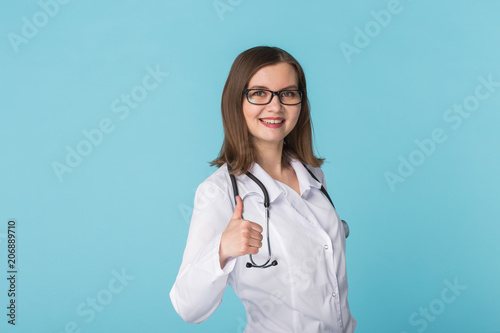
[268, 263]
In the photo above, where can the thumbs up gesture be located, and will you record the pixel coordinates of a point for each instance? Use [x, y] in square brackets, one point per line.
[240, 236]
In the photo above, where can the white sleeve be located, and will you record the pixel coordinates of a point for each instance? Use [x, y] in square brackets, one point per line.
[200, 284]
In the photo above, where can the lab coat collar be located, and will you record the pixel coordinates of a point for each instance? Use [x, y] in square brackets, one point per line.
[306, 181]
[248, 186]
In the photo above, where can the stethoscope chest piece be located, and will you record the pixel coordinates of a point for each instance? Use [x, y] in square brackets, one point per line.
[346, 228]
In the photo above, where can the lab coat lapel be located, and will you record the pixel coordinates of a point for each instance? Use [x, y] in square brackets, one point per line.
[248, 186]
[306, 182]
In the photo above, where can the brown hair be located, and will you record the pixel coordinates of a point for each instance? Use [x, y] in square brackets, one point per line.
[237, 150]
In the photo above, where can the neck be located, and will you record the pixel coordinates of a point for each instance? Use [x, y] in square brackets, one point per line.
[269, 157]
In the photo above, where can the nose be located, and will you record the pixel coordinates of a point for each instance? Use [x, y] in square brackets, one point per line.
[275, 103]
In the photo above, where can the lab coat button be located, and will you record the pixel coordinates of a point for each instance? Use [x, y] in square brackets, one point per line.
[326, 247]
[334, 294]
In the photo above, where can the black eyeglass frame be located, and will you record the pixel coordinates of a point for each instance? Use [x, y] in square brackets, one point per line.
[301, 93]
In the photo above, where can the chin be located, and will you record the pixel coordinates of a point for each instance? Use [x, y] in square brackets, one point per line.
[271, 139]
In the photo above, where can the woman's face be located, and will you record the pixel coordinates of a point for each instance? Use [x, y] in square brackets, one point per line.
[276, 77]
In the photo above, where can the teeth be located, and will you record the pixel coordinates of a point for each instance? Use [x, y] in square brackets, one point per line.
[268, 121]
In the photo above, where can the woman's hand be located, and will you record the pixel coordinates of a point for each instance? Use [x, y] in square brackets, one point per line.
[240, 236]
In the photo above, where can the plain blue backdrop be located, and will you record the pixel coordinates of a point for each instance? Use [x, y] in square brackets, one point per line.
[110, 112]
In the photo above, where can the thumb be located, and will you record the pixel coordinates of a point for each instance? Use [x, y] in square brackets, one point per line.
[238, 210]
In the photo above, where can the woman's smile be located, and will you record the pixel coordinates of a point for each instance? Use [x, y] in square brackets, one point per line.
[272, 122]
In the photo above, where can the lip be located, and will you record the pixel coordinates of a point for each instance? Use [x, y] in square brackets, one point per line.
[273, 125]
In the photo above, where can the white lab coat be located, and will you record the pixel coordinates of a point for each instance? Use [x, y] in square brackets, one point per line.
[305, 292]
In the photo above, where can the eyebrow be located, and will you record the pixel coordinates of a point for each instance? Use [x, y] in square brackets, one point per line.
[285, 88]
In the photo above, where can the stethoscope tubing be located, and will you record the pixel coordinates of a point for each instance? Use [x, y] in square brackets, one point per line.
[268, 263]
[266, 206]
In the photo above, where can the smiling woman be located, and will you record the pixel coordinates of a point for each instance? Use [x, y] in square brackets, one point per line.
[266, 159]
[252, 74]
[262, 111]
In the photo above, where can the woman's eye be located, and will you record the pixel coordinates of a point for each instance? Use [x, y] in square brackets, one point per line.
[259, 93]
[288, 94]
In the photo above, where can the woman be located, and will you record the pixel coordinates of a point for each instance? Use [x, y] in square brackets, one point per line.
[267, 126]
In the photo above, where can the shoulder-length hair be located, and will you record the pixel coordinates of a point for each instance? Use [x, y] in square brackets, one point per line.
[237, 150]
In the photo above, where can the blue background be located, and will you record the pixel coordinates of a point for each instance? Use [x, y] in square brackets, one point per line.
[127, 205]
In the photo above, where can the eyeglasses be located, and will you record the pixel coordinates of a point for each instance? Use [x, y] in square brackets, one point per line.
[264, 96]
